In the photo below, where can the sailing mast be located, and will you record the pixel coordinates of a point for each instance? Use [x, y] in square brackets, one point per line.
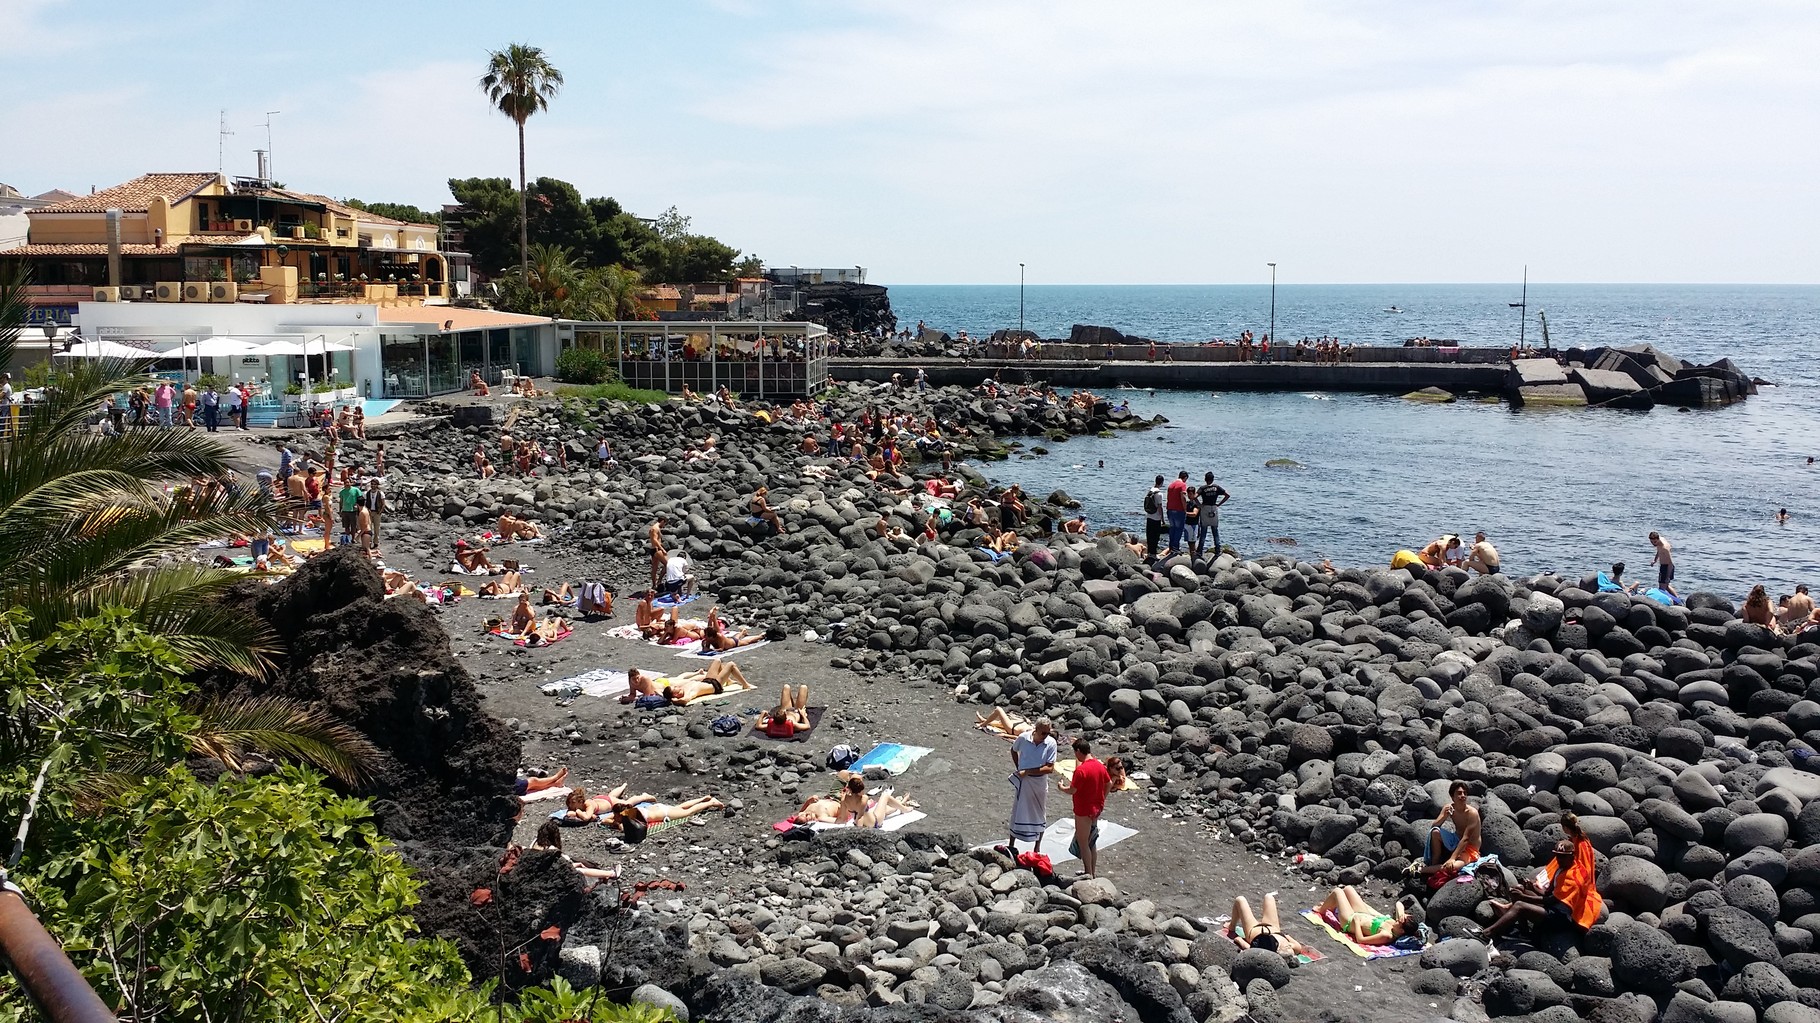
[1523, 322]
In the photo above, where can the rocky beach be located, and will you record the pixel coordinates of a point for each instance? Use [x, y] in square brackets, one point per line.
[1292, 728]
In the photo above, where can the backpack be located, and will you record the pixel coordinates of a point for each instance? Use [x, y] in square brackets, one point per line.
[842, 757]
[725, 725]
[651, 701]
[1150, 501]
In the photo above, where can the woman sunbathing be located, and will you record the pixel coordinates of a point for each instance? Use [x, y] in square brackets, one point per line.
[581, 808]
[504, 586]
[564, 594]
[636, 820]
[1002, 722]
[547, 631]
[1351, 914]
[683, 690]
[671, 629]
[1266, 932]
[714, 634]
[472, 560]
[818, 810]
[791, 715]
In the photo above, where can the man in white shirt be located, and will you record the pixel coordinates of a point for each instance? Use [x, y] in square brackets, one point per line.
[677, 579]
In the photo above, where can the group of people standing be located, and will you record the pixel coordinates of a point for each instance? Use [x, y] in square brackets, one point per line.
[1190, 513]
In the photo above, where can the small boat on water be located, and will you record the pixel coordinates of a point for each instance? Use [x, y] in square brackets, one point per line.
[1393, 309]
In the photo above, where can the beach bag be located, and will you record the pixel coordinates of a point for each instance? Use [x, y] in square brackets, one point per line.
[1037, 863]
[776, 633]
[724, 725]
[780, 728]
[842, 757]
[650, 701]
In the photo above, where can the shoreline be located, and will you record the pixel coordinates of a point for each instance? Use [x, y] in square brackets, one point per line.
[1156, 663]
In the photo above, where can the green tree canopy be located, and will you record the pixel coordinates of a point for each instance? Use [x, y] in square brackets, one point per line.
[398, 211]
[489, 217]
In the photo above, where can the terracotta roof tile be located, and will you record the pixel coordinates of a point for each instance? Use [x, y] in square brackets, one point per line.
[86, 249]
[464, 318]
[135, 196]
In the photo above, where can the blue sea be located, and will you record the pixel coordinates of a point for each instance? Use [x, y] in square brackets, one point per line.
[1568, 490]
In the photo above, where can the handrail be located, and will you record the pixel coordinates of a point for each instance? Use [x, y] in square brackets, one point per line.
[43, 970]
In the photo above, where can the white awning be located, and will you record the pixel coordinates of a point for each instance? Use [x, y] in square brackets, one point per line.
[220, 347]
[105, 349]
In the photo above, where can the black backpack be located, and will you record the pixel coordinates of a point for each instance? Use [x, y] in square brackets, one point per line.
[1150, 501]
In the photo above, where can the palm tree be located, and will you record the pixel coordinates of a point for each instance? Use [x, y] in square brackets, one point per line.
[520, 81]
[86, 530]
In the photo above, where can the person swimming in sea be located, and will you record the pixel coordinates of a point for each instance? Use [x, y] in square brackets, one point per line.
[1782, 517]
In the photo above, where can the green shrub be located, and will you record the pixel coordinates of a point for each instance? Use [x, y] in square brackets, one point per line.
[617, 390]
[583, 366]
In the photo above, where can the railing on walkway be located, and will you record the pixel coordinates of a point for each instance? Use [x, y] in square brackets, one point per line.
[1231, 353]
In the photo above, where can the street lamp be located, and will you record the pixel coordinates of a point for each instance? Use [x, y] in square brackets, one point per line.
[1020, 298]
[1273, 303]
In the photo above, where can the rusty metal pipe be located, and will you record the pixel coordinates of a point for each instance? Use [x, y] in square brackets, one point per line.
[43, 970]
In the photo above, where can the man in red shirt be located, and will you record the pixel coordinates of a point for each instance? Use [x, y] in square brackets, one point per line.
[1089, 787]
[1175, 502]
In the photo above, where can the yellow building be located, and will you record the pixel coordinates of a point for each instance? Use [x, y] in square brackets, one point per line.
[200, 237]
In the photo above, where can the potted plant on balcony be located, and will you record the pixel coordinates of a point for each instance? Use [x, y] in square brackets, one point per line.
[293, 397]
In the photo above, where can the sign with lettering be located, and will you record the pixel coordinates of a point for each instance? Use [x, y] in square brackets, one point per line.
[39, 315]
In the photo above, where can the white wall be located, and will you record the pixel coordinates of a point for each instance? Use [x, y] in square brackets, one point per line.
[168, 325]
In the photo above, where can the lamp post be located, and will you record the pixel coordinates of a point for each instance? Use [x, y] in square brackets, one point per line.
[1020, 298]
[1272, 336]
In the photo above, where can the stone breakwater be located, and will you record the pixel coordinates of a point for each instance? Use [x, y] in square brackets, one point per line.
[1290, 709]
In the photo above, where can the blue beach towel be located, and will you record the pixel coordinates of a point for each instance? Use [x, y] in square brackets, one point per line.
[996, 556]
[668, 601]
[893, 757]
[1662, 597]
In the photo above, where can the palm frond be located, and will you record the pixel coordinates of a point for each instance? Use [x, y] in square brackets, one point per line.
[230, 730]
[12, 310]
[181, 603]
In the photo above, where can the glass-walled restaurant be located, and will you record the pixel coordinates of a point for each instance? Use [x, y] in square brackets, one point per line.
[758, 359]
[419, 363]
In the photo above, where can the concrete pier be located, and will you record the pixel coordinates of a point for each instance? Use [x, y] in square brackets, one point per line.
[1369, 377]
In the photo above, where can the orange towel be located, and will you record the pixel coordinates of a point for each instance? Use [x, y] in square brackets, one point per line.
[1574, 886]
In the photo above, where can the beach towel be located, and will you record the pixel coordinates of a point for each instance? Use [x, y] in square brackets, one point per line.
[1362, 951]
[668, 600]
[599, 682]
[996, 556]
[1663, 597]
[891, 823]
[515, 594]
[697, 650]
[1058, 838]
[893, 757]
[1029, 808]
[802, 734]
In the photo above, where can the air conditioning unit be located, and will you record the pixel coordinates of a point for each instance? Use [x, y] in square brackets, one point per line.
[168, 291]
[243, 225]
[107, 294]
[195, 291]
[131, 293]
[224, 291]
[297, 232]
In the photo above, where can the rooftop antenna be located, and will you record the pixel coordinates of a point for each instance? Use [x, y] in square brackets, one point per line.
[221, 135]
[269, 172]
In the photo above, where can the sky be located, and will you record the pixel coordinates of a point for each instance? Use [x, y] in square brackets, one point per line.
[946, 141]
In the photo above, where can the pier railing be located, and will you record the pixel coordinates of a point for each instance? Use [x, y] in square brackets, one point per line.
[1230, 353]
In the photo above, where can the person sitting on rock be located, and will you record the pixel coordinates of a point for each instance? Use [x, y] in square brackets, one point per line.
[791, 715]
[1249, 930]
[762, 511]
[636, 821]
[1453, 838]
[1441, 552]
[1798, 611]
[1076, 526]
[1001, 543]
[549, 839]
[472, 560]
[505, 586]
[1352, 915]
[1565, 888]
[1484, 557]
[809, 445]
[510, 527]
[1615, 581]
[1757, 609]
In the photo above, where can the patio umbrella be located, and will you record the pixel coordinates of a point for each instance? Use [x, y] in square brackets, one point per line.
[222, 347]
[105, 349]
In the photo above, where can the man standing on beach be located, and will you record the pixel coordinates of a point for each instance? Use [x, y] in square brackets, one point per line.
[1211, 495]
[1153, 517]
[659, 557]
[1664, 560]
[1033, 761]
[351, 500]
[1088, 787]
[1175, 502]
